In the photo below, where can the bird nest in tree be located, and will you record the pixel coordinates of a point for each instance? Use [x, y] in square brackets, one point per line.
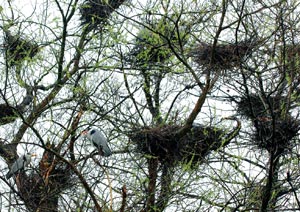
[96, 12]
[272, 135]
[41, 189]
[149, 49]
[275, 136]
[253, 106]
[18, 49]
[9, 114]
[151, 46]
[223, 56]
[161, 142]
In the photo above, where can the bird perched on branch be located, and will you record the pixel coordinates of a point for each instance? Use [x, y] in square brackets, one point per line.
[98, 140]
[19, 164]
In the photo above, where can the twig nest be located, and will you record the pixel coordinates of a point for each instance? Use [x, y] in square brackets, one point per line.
[152, 43]
[253, 106]
[223, 56]
[18, 49]
[10, 113]
[96, 12]
[7, 114]
[275, 136]
[161, 142]
[150, 48]
[35, 188]
[274, 127]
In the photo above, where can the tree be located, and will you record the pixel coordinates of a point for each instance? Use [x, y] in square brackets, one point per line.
[198, 100]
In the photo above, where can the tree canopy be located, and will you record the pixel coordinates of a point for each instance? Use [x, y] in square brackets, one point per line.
[198, 101]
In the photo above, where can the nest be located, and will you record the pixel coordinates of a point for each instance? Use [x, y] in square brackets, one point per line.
[269, 135]
[275, 136]
[36, 190]
[42, 189]
[161, 142]
[9, 114]
[96, 12]
[18, 49]
[151, 46]
[149, 49]
[223, 56]
[253, 106]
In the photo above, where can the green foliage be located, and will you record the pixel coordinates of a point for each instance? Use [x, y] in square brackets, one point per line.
[156, 42]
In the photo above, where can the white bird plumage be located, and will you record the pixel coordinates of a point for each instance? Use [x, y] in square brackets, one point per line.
[98, 140]
[19, 164]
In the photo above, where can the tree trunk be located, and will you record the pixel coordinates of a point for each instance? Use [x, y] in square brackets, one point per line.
[165, 191]
[152, 168]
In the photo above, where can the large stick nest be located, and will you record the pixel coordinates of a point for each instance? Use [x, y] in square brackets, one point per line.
[275, 136]
[253, 106]
[149, 49]
[54, 176]
[224, 56]
[152, 44]
[161, 142]
[18, 49]
[9, 113]
[36, 189]
[96, 12]
[271, 134]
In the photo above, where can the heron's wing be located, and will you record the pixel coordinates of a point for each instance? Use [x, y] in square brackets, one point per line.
[99, 139]
[105, 149]
[17, 165]
[102, 144]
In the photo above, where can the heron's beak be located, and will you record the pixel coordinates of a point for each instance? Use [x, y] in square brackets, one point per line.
[84, 132]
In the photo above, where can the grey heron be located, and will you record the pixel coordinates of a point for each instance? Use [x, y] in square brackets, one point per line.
[19, 164]
[98, 140]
